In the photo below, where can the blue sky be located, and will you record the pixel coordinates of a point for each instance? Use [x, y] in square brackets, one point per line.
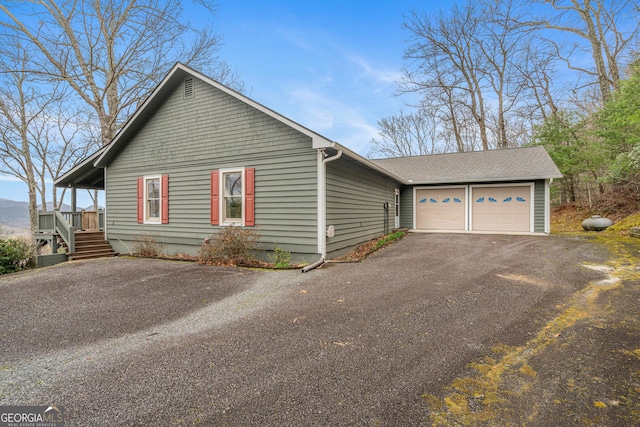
[329, 65]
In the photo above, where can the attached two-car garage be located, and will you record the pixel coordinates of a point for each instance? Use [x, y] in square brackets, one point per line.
[490, 191]
[492, 208]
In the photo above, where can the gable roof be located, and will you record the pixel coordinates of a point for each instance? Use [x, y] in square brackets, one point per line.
[83, 174]
[512, 164]
[175, 77]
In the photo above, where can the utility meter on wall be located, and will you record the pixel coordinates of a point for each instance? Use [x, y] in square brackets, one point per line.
[331, 231]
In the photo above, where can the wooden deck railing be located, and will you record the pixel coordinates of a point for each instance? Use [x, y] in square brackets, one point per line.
[65, 224]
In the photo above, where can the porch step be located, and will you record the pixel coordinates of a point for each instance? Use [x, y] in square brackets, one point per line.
[91, 244]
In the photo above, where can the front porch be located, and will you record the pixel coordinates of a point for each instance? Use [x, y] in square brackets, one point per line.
[79, 234]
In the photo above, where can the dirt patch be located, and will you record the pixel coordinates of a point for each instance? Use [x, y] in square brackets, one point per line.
[369, 248]
[568, 219]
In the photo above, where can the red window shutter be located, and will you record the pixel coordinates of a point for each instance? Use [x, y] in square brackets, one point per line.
[215, 198]
[164, 202]
[249, 197]
[140, 200]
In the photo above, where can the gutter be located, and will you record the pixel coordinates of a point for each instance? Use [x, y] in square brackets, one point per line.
[322, 206]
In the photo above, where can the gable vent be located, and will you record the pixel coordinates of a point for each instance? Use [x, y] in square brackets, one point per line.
[188, 88]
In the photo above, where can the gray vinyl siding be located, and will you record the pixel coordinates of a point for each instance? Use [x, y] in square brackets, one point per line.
[538, 207]
[406, 207]
[355, 204]
[188, 138]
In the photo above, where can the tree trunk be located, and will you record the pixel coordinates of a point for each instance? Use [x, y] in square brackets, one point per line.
[33, 206]
[598, 58]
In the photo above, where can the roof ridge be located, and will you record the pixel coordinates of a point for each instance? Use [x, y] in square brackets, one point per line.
[477, 152]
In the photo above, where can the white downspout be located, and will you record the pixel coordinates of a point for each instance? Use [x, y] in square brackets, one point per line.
[322, 206]
[547, 205]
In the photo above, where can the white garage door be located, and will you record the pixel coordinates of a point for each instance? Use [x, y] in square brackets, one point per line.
[501, 208]
[440, 209]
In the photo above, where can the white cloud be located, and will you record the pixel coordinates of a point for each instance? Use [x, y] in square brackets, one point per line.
[295, 37]
[314, 110]
[386, 77]
[333, 118]
[9, 178]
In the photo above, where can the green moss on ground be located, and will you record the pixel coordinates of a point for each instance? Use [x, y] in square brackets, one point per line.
[582, 367]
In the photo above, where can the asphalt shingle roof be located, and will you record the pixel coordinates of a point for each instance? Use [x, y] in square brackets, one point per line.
[494, 165]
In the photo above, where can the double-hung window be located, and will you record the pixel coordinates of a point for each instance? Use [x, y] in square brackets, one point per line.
[153, 199]
[232, 197]
[233, 190]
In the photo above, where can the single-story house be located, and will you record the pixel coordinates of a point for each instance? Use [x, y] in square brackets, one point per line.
[197, 156]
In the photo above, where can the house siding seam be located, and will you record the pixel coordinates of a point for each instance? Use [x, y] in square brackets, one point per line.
[187, 139]
[355, 204]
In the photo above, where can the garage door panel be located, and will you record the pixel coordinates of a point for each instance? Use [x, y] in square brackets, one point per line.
[440, 209]
[501, 208]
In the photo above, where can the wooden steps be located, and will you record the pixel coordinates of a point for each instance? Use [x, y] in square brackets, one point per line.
[91, 244]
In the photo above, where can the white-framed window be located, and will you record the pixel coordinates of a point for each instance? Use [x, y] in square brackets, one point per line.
[152, 199]
[232, 200]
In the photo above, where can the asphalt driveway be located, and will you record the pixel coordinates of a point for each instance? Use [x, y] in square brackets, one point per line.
[128, 341]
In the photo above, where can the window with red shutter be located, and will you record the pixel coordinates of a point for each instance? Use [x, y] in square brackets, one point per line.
[164, 202]
[215, 198]
[153, 199]
[249, 197]
[140, 200]
[233, 197]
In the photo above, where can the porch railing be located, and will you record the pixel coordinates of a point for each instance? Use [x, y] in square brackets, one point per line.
[55, 222]
[65, 224]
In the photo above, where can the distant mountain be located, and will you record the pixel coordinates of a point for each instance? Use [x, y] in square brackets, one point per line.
[16, 214]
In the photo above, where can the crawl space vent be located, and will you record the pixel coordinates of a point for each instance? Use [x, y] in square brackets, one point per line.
[188, 88]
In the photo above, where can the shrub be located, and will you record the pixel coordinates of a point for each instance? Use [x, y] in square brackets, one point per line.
[147, 245]
[230, 246]
[280, 258]
[389, 238]
[15, 255]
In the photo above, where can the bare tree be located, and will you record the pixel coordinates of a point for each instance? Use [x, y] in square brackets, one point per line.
[470, 62]
[39, 135]
[67, 137]
[441, 101]
[112, 53]
[451, 40]
[20, 108]
[503, 42]
[605, 29]
[405, 135]
[542, 88]
[107, 55]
